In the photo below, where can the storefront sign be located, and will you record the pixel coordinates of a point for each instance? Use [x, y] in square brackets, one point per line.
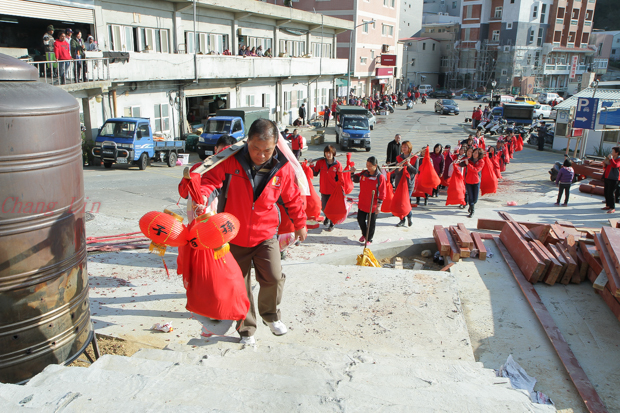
[385, 72]
[388, 60]
[573, 66]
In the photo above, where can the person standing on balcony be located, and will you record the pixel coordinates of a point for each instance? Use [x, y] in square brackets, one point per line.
[268, 53]
[48, 42]
[62, 50]
[77, 53]
[302, 113]
[242, 50]
[91, 45]
[259, 51]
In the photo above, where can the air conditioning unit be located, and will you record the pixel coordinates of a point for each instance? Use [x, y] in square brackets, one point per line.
[506, 48]
[385, 48]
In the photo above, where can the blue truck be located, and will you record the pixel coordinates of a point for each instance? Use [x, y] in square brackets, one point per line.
[353, 131]
[233, 122]
[130, 141]
[520, 114]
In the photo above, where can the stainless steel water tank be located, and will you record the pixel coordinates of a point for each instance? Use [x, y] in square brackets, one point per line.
[44, 307]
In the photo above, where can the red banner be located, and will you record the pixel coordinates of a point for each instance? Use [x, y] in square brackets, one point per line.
[385, 72]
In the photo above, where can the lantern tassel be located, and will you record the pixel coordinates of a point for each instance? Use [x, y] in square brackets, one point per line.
[221, 251]
[165, 266]
[158, 249]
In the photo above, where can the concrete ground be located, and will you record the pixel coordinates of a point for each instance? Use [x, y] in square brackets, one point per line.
[131, 290]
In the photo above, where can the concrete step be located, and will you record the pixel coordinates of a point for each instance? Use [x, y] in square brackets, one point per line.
[138, 384]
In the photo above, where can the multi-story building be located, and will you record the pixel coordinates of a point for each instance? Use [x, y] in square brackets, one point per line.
[442, 7]
[421, 61]
[603, 44]
[367, 42]
[410, 17]
[446, 30]
[615, 42]
[163, 61]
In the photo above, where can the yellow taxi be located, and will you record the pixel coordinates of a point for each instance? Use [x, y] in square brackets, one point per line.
[526, 99]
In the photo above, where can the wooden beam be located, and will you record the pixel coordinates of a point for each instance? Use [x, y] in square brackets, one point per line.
[600, 282]
[608, 265]
[454, 253]
[441, 240]
[611, 301]
[611, 236]
[529, 263]
[571, 264]
[479, 245]
[586, 390]
[563, 265]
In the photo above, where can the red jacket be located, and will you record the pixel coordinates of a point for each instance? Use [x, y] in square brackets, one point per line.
[328, 181]
[62, 50]
[476, 115]
[297, 142]
[611, 170]
[367, 185]
[472, 174]
[259, 220]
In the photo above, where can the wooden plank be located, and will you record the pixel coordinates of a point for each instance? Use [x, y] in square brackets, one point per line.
[554, 265]
[541, 232]
[462, 239]
[579, 378]
[613, 222]
[583, 268]
[600, 282]
[447, 267]
[482, 251]
[454, 254]
[441, 240]
[542, 257]
[608, 265]
[591, 276]
[588, 253]
[529, 263]
[467, 235]
[571, 264]
[611, 236]
[559, 231]
[565, 223]
[464, 252]
[485, 236]
[563, 264]
[498, 224]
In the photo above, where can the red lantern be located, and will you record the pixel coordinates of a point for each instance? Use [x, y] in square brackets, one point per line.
[214, 232]
[165, 229]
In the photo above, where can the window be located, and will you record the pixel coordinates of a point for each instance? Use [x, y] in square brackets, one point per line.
[508, 26]
[498, 13]
[539, 40]
[585, 38]
[116, 41]
[365, 26]
[250, 42]
[321, 49]
[389, 3]
[495, 37]
[504, 72]
[266, 100]
[557, 36]
[529, 59]
[560, 12]
[453, 5]
[537, 59]
[161, 118]
[571, 37]
[387, 30]
[575, 13]
[588, 14]
[132, 112]
[372, 55]
[468, 11]
[423, 46]
[531, 38]
[287, 100]
[535, 12]
[412, 62]
[292, 48]
[433, 46]
[543, 12]
[237, 125]
[249, 100]
[611, 136]
[363, 60]
[466, 34]
[300, 97]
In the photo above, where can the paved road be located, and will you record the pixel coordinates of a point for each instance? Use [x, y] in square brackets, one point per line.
[125, 194]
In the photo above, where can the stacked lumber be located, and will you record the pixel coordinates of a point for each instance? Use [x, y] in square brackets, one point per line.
[594, 170]
[563, 253]
[456, 242]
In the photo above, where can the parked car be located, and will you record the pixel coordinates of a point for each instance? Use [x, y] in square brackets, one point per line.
[372, 120]
[525, 99]
[442, 93]
[425, 89]
[486, 98]
[446, 107]
[542, 111]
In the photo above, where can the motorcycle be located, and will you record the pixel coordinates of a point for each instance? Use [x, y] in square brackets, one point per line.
[409, 104]
[533, 138]
[400, 101]
[424, 98]
[555, 170]
[389, 107]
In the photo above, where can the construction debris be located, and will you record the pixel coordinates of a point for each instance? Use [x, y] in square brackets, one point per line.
[458, 242]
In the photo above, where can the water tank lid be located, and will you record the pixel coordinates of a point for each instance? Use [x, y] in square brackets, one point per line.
[15, 70]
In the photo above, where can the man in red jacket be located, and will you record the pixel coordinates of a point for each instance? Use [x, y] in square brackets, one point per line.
[297, 143]
[252, 181]
[62, 49]
[612, 175]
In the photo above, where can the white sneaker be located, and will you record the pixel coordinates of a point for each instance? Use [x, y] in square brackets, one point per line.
[248, 341]
[277, 328]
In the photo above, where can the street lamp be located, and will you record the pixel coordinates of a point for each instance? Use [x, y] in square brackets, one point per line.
[373, 21]
[493, 84]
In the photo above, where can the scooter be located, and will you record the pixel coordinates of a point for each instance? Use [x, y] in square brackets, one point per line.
[424, 98]
[400, 101]
[409, 104]
[389, 107]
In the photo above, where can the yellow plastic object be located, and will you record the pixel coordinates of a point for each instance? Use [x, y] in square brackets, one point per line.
[367, 259]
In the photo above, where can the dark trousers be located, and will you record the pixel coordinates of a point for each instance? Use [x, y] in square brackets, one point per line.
[610, 188]
[474, 123]
[541, 141]
[362, 218]
[297, 153]
[617, 193]
[268, 272]
[325, 122]
[324, 199]
[472, 191]
[564, 188]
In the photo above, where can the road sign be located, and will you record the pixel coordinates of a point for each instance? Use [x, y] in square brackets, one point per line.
[563, 116]
[585, 115]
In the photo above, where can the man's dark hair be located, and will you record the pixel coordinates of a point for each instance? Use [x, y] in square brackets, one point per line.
[226, 140]
[567, 163]
[263, 129]
[616, 149]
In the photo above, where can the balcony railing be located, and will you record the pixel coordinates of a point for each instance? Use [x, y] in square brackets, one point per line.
[66, 72]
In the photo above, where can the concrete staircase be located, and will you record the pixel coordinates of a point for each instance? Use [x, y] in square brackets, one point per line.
[359, 340]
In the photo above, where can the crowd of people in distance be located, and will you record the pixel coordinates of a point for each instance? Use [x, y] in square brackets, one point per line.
[68, 48]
